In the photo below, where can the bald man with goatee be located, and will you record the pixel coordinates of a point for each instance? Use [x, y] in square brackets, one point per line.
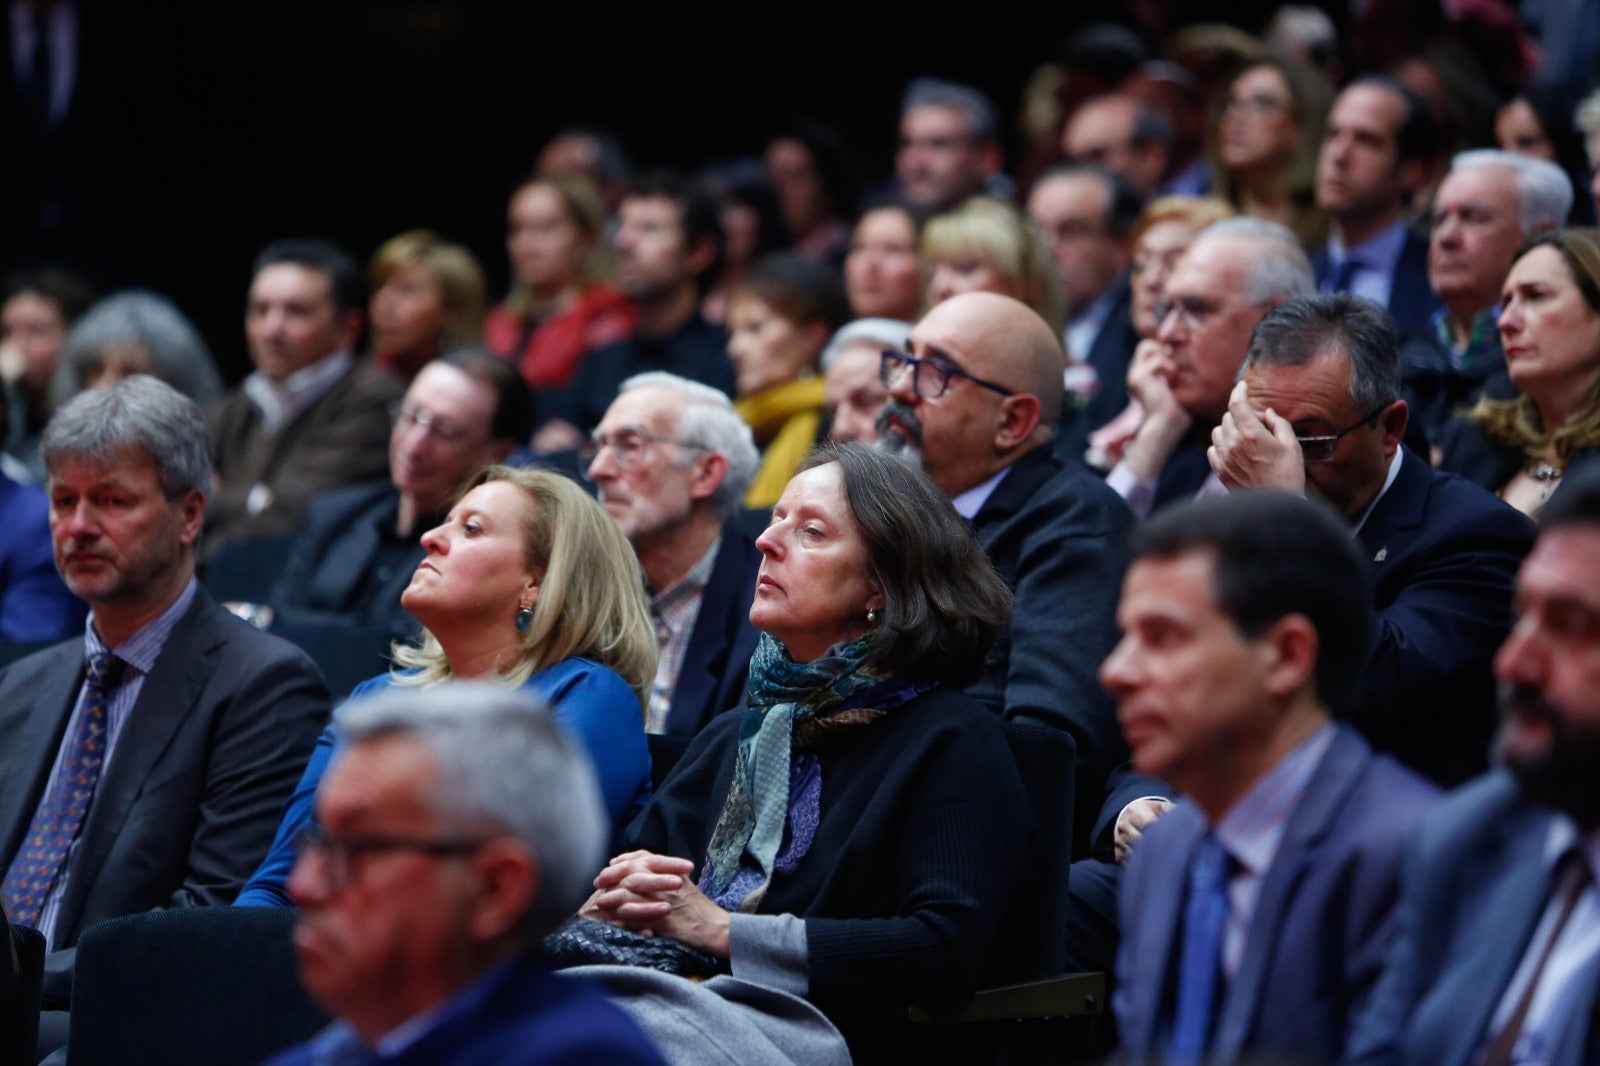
[977, 397]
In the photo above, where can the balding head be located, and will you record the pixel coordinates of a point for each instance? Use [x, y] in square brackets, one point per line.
[996, 346]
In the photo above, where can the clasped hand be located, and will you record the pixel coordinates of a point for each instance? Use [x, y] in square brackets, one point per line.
[657, 894]
[1254, 451]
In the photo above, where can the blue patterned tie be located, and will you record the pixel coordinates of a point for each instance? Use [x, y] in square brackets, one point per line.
[1205, 918]
[60, 815]
[1343, 275]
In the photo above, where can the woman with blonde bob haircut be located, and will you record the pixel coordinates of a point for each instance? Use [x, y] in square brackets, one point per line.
[528, 583]
[427, 298]
[987, 246]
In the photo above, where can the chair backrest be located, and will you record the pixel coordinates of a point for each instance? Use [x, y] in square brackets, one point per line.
[346, 655]
[1038, 922]
[247, 569]
[203, 985]
[19, 1013]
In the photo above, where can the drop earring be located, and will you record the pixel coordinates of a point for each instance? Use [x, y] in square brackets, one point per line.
[872, 616]
[524, 614]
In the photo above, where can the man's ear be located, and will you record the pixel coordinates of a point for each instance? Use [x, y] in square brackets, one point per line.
[191, 516]
[1291, 645]
[510, 876]
[1019, 417]
[701, 256]
[1394, 420]
[708, 471]
[349, 328]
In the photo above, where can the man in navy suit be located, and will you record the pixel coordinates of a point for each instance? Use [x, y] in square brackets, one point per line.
[1318, 412]
[455, 828]
[1256, 912]
[1085, 213]
[672, 460]
[1497, 957]
[1380, 141]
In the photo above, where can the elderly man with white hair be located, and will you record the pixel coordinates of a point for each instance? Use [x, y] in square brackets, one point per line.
[854, 393]
[1233, 274]
[672, 460]
[1486, 207]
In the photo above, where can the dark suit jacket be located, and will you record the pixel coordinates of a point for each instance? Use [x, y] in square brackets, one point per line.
[334, 574]
[1437, 390]
[341, 439]
[222, 728]
[1474, 888]
[528, 1017]
[1411, 298]
[712, 676]
[1110, 355]
[1316, 940]
[1057, 535]
[1444, 555]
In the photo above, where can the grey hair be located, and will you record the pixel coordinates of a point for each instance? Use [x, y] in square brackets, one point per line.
[1296, 331]
[175, 352]
[983, 125]
[1279, 269]
[1544, 191]
[884, 332]
[707, 420]
[137, 412]
[502, 760]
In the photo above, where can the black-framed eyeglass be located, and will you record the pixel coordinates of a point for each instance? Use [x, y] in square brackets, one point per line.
[1320, 449]
[929, 377]
[340, 851]
[629, 447]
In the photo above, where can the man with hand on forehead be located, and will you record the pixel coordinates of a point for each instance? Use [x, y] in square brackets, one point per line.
[1317, 410]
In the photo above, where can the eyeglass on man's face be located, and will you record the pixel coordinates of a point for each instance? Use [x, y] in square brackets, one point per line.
[340, 853]
[429, 422]
[629, 446]
[1194, 312]
[1320, 449]
[929, 377]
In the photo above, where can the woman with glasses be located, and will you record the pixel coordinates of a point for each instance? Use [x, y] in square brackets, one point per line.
[988, 246]
[528, 582]
[857, 835]
[561, 305]
[1264, 142]
[1520, 446]
[779, 319]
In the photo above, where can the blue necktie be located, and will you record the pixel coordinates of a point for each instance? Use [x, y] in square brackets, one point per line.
[1205, 918]
[1343, 275]
[60, 815]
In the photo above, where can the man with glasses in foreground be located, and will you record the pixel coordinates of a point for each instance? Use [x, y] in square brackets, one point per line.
[1318, 411]
[672, 460]
[1234, 272]
[978, 397]
[457, 827]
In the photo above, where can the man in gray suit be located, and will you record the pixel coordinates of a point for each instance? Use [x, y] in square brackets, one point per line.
[1498, 954]
[1256, 912]
[144, 765]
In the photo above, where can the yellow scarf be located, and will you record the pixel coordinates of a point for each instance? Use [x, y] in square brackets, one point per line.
[785, 419]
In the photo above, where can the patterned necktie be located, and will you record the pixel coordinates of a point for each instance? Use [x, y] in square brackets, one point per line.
[60, 815]
[1343, 275]
[1205, 919]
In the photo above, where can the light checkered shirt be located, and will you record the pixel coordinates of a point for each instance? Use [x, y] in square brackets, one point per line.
[675, 611]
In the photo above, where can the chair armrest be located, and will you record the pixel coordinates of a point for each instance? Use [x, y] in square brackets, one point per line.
[1070, 995]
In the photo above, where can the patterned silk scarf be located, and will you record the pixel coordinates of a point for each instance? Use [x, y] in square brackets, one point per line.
[788, 701]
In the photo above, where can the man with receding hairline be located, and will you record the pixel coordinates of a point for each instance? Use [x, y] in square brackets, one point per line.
[977, 397]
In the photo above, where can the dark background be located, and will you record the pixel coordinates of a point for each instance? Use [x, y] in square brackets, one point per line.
[217, 128]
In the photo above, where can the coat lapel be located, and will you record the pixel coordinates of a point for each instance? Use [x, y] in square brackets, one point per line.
[1326, 794]
[1158, 930]
[1501, 923]
[166, 699]
[31, 738]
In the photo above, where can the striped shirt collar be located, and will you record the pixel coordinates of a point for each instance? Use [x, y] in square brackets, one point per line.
[141, 650]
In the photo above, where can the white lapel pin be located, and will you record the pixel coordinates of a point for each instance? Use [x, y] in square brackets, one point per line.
[1383, 553]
